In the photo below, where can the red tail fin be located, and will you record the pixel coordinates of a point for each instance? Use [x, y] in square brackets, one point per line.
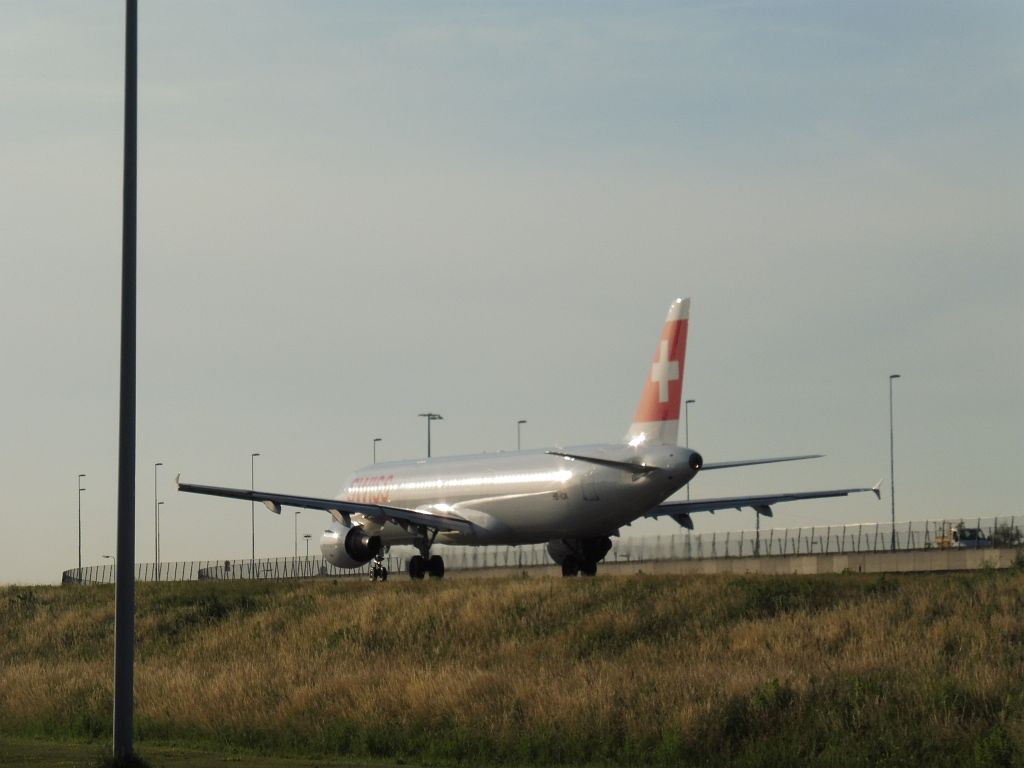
[657, 416]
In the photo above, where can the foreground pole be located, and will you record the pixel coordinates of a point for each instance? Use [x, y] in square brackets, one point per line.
[124, 616]
[892, 466]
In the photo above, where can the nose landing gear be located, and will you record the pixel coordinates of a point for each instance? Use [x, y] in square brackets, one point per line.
[378, 571]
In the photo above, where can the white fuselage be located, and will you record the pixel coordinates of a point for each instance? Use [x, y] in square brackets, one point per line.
[524, 497]
[574, 499]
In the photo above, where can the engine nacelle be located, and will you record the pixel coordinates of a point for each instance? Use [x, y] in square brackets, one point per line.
[348, 546]
[590, 549]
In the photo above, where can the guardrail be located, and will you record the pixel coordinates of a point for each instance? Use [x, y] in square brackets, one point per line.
[771, 542]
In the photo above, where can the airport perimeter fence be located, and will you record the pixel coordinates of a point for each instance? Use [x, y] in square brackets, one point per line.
[771, 542]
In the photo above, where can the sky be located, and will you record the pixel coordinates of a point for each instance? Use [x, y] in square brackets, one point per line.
[352, 213]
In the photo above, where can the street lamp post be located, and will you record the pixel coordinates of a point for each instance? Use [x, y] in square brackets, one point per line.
[430, 417]
[158, 505]
[295, 553]
[252, 502]
[124, 566]
[375, 441]
[892, 467]
[519, 434]
[686, 426]
[80, 489]
[156, 518]
[306, 536]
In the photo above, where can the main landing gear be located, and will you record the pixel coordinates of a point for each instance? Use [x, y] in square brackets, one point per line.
[420, 566]
[424, 563]
[573, 566]
[579, 555]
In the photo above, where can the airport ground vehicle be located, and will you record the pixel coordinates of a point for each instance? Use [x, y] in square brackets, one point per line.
[959, 536]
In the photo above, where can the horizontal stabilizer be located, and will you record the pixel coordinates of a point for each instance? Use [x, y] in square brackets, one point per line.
[636, 469]
[760, 503]
[751, 462]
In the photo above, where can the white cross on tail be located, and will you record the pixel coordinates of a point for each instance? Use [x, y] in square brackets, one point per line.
[663, 371]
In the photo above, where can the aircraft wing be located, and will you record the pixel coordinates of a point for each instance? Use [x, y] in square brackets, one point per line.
[379, 513]
[680, 510]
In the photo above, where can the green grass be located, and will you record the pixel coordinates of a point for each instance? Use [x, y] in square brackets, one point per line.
[25, 752]
[746, 671]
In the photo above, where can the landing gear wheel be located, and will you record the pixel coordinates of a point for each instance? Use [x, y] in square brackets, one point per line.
[417, 567]
[378, 570]
[570, 566]
[435, 565]
[588, 568]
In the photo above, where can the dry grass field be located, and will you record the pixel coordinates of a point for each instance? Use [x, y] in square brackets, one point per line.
[824, 670]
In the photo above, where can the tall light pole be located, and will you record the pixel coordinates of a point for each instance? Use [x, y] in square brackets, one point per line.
[158, 505]
[80, 489]
[295, 553]
[892, 467]
[519, 434]
[430, 417]
[686, 426]
[124, 566]
[252, 503]
[375, 441]
[156, 518]
[306, 536]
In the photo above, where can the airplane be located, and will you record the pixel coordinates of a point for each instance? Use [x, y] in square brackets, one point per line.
[574, 498]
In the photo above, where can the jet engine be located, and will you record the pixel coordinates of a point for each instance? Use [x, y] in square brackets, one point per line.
[348, 546]
[579, 551]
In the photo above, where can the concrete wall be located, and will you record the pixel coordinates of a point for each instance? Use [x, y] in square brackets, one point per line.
[924, 560]
[864, 562]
